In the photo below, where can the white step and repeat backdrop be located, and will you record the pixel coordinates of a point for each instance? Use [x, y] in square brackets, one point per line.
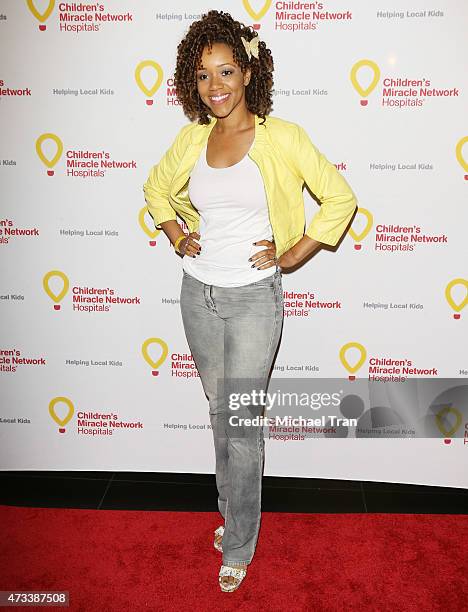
[95, 369]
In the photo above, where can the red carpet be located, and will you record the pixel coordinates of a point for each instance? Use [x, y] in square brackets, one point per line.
[130, 560]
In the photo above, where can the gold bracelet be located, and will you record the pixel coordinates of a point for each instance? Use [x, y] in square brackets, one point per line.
[179, 239]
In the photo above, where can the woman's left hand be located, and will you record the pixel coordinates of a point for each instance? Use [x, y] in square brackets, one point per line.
[266, 258]
[289, 259]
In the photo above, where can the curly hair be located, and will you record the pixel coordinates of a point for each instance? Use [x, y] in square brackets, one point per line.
[219, 26]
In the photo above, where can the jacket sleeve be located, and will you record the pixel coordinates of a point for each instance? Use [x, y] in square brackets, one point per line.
[338, 201]
[156, 188]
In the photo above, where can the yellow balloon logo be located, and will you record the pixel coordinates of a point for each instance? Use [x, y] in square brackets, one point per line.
[448, 296]
[441, 421]
[254, 14]
[459, 153]
[62, 422]
[365, 63]
[149, 232]
[56, 297]
[147, 357]
[41, 17]
[352, 368]
[149, 91]
[50, 163]
[369, 223]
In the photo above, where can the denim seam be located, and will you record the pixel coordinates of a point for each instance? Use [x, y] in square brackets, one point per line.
[260, 434]
[274, 327]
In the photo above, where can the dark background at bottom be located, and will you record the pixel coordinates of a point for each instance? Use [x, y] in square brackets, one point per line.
[197, 492]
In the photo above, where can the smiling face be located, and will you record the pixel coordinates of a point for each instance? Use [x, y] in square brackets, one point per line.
[220, 81]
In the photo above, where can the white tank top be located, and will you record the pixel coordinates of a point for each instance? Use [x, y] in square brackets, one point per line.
[233, 214]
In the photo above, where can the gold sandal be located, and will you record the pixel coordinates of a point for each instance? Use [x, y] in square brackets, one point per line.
[238, 573]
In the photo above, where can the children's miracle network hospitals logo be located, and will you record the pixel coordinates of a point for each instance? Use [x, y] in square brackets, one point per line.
[156, 71]
[80, 163]
[154, 363]
[459, 155]
[56, 296]
[41, 17]
[63, 401]
[364, 92]
[257, 15]
[49, 162]
[397, 92]
[343, 355]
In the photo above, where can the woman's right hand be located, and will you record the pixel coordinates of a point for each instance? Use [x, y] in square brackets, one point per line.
[189, 245]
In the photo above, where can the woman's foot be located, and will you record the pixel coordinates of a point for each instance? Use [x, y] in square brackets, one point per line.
[231, 576]
[219, 538]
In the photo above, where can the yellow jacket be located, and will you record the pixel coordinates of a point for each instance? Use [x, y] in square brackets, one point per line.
[286, 159]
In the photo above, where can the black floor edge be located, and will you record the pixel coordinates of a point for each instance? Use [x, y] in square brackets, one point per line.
[197, 493]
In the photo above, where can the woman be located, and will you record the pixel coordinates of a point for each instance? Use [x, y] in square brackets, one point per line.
[235, 177]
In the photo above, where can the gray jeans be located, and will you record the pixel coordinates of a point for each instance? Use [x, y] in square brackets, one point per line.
[233, 334]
